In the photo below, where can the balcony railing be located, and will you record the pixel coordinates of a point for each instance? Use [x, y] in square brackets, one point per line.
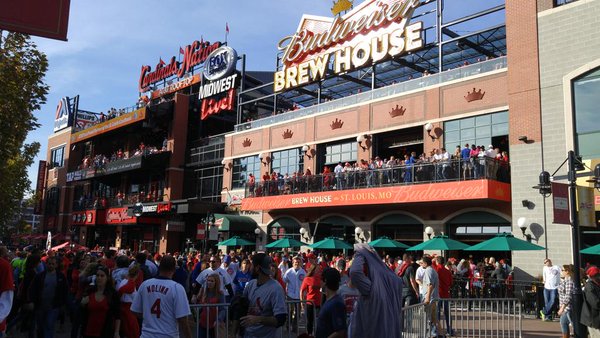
[445, 171]
[111, 202]
[391, 90]
[118, 166]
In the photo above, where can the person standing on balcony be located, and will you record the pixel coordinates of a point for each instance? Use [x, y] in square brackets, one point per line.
[551, 278]
[338, 176]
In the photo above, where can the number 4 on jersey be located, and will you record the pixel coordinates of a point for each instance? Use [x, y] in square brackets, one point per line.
[155, 309]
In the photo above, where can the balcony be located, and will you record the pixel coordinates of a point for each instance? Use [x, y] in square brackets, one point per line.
[119, 166]
[426, 182]
[383, 92]
[110, 202]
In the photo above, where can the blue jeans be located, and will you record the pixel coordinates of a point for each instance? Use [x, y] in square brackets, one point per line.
[45, 321]
[446, 305]
[565, 320]
[549, 299]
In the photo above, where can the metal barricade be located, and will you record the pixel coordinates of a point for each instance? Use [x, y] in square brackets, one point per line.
[415, 321]
[485, 317]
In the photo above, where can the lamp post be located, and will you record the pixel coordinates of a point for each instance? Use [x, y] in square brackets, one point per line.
[545, 189]
[209, 222]
[429, 231]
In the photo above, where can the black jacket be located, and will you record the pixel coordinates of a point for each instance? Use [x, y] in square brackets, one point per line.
[590, 311]
[37, 288]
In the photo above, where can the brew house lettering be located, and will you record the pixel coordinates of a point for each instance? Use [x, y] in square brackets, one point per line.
[193, 55]
[349, 43]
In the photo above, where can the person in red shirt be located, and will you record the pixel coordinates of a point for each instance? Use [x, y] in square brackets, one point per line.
[310, 291]
[102, 304]
[445, 279]
[7, 288]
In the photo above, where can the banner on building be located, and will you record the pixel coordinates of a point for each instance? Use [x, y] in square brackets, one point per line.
[39, 188]
[200, 231]
[560, 200]
[586, 211]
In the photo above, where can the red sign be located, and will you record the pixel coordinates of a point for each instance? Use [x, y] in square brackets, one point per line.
[215, 106]
[163, 207]
[435, 192]
[39, 188]
[49, 19]
[200, 231]
[87, 217]
[119, 216]
[193, 55]
[176, 86]
[560, 199]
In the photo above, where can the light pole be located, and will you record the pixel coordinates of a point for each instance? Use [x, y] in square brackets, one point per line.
[209, 222]
[545, 189]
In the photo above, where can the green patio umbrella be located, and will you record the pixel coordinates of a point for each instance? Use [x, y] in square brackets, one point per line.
[387, 243]
[235, 241]
[439, 242]
[331, 243]
[504, 242]
[592, 250]
[285, 243]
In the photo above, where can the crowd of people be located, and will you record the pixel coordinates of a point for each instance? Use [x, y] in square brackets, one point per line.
[470, 162]
[99, 161]
[125, 294]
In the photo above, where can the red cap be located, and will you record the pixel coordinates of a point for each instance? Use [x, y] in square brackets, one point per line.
[593, 271]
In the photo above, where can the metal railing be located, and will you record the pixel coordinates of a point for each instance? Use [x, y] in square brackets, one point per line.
[391, 90]
[448, 171]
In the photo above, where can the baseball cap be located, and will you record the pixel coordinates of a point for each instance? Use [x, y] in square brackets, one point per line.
[262, 261]
[593, 271]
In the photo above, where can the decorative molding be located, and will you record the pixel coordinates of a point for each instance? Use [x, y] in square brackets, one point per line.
[398, 111]
[246, 143]
[287, 134]
[474, 95]
[336, 124]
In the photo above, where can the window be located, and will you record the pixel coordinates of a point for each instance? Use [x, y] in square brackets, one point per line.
[341, 152]
[210, 183]
[477, 130]
[57, 157]
[586, 90]
[242, 167]
[288, 161]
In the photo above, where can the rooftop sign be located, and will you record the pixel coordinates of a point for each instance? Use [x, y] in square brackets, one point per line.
[372, 32]
[112, 124]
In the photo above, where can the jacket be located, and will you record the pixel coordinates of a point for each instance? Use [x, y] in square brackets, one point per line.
[37, 287]
[590, 311]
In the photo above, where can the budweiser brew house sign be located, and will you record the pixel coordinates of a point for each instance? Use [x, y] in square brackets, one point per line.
[372, 32]
[192, 55]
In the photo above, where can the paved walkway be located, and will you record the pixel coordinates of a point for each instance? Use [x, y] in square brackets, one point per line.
[535, 328]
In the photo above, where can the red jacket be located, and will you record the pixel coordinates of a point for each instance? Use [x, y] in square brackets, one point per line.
[445, 277]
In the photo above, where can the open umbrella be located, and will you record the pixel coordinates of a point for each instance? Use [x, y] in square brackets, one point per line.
[387, 243]
[592, 250]
[236, 241]
[285, 243]
[439, 242]
[331, 243]
[504, 242]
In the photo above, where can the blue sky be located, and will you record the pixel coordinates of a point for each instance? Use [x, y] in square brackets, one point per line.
[110, 40]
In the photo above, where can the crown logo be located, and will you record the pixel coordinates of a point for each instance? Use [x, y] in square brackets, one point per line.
[341, 6]
[337, 124]
[246, 143]
[287, 134]
[474, 95]
[398, 111]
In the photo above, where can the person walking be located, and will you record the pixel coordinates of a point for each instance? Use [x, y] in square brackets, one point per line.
[127, 291]
[431, 293]
[293, 279]
[266, 311]
[162, 304]
[102, 307]
[590, 311]
[332, 317]
[48, 294]
[551, 278]
[210, 316]
[310, 290]
[565, 298]
[410, 288]
[7, 290]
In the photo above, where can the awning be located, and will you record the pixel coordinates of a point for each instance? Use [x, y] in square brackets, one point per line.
[227, 222]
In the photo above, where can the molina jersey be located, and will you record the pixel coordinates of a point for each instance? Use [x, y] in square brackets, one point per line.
[161, 302]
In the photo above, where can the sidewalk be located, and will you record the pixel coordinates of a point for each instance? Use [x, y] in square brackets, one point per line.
[536, 328]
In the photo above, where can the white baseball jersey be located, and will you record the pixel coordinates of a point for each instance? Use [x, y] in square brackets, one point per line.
[161, 302]
[126, 297]
[225, 278]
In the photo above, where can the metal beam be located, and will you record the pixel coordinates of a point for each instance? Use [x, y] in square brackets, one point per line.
[464, 40]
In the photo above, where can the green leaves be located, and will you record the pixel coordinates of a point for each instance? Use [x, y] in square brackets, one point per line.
[22, 91]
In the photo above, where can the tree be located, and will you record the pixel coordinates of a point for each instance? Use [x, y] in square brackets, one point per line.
[22, 91]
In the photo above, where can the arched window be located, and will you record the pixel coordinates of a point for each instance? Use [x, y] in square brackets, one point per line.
[586, 103]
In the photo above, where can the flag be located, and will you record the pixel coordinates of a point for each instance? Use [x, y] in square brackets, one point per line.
[226, 27]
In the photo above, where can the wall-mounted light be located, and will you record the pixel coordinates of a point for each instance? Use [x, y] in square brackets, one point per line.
[527, 204]
[265, 159]
[544, 186]
[227, 164]
[429, 231]
[360, 234]
[305, 235]
[596, 178]
[363, 141]
[429, 129]
[523, 139]
[307, 151]
[257, 232]
[522, 223]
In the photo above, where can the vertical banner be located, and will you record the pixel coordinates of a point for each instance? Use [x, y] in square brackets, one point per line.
[200, 231]
[586, 211]
[560, 199]
[39, 188]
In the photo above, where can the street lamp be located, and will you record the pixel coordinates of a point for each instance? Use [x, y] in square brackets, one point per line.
[360, 234]
[545, 189]
[209, 222]
[304, 234]
[429, 231]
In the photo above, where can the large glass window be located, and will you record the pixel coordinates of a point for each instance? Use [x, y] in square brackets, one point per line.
[210, 183]
[586, 96]
[479, 130]
[244, 166]
[57, 157]
[288, 161]
[341, 152]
